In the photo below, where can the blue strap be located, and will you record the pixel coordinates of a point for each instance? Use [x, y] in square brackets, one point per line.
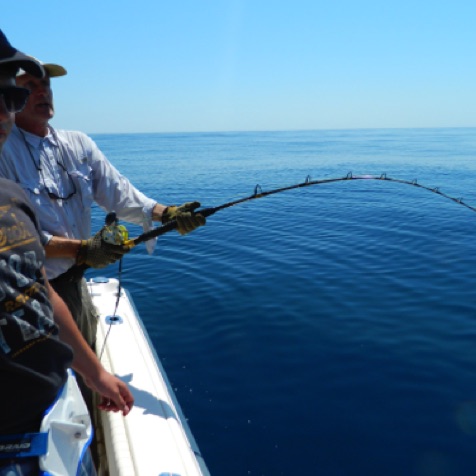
[24, 445]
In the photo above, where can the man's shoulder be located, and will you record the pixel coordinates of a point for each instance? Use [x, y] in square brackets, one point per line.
[13, 141]
[75, 138]
[10, 188]
[71, 134]
[5, 183]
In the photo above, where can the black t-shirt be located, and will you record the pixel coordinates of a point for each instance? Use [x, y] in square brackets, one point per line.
[33, 360]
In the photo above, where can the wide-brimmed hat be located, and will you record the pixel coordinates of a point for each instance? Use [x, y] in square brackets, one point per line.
[11, 56]
[53, 70]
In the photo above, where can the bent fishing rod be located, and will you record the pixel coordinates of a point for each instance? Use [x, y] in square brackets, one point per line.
[258, 193]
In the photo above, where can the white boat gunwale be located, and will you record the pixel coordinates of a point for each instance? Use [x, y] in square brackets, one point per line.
[155, 437]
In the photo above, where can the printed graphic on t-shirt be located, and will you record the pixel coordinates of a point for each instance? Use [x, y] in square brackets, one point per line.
[25, 312]
[14, 234]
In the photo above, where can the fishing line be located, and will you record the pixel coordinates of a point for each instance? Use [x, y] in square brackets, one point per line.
[111, 220]
[258, 193]
[113, 315]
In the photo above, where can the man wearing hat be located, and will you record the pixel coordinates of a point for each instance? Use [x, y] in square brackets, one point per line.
[33, 358]
[63, 173]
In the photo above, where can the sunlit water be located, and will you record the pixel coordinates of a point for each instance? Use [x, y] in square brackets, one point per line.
[327, 330]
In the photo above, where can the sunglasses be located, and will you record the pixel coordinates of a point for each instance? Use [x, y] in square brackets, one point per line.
[14, 97]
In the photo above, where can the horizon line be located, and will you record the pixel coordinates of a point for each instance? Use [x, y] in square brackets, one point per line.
[250, 131]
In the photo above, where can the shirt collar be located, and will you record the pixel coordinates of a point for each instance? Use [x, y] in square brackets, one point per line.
[34, 140]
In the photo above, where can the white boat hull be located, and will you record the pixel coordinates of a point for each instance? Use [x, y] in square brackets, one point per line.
[154, 439]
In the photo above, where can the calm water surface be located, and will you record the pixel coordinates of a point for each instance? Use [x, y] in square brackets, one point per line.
[322, 331]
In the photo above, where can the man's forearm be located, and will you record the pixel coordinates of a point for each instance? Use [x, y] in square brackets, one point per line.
[158, 211]
[59, 247]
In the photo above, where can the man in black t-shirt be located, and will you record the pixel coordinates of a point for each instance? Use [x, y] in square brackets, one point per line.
[38, 337]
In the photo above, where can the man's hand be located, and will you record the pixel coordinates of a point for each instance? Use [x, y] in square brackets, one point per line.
[96, 253]
[185, 217]
[115, 394]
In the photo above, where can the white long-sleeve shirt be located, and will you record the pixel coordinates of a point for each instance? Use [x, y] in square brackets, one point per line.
[69, 165]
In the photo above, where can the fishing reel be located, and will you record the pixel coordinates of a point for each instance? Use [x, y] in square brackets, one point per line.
[112, 232]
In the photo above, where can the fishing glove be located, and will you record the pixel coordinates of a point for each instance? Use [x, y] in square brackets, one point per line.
[96, 253]
[185, 217]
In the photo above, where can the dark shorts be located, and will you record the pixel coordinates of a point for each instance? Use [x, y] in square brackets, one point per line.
[76, 296]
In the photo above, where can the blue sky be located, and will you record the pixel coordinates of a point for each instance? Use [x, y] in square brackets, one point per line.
[210, 65]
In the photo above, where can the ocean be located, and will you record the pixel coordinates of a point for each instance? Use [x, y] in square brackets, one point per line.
[323, 331]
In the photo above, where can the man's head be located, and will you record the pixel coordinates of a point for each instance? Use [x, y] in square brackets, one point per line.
[11, 57]
[12, 97]
[40, 107]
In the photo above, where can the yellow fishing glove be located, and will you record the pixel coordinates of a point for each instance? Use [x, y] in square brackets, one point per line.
[96, 253]
[185, 217]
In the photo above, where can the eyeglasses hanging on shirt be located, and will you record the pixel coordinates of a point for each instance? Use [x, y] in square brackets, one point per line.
[61, 169]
